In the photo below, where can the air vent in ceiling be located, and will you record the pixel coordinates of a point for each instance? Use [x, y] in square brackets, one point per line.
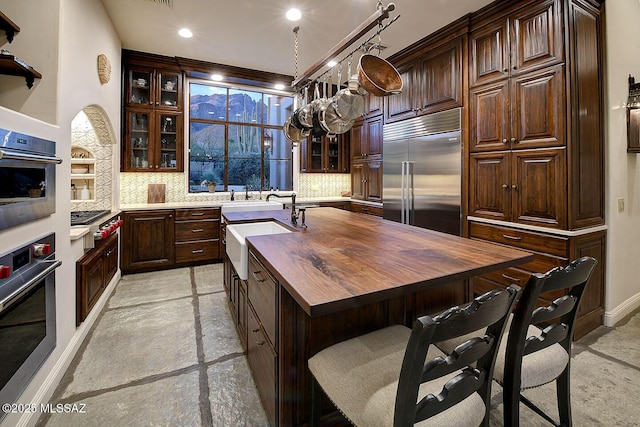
[167, 3]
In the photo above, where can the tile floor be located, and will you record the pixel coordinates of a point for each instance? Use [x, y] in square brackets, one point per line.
[164, 352]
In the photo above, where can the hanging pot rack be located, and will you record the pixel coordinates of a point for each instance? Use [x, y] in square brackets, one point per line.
[374, 20]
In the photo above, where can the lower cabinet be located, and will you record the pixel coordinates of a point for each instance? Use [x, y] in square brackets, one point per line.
[147, 240]
[94, 271]
[197, 233]
[550, 250]
[366, 209]
[236, 290]
[167, 238]
[366, 180]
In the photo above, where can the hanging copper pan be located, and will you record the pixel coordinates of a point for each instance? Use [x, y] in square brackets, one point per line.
[378, 77]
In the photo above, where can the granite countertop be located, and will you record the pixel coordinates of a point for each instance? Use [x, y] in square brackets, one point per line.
[345, 259]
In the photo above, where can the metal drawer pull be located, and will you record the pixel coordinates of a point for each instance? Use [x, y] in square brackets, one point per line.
[199, 251]
[511, 279]
[511, 237]
[255, 276]
[197, 214]
[197, 230]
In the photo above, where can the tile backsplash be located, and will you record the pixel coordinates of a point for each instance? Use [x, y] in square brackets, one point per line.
[134, 187]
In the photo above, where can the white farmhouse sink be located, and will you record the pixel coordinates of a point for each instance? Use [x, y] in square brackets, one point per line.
[237, 246]
[250, 205]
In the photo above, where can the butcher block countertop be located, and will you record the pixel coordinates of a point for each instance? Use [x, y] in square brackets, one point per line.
[346, 259]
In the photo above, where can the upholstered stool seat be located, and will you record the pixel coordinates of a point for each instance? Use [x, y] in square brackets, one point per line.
[371, 363]
[396, 377]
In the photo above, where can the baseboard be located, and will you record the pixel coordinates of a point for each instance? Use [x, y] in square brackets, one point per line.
[621, 311]
[52, 380]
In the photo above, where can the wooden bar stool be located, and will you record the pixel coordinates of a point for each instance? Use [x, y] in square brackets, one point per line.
[395, 377]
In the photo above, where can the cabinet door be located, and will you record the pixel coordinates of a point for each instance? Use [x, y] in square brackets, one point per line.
[373, 105]
[441, 78]
[489, 117]
[490, 185]
[169, 90]
[148, 240]
[374, 181]
[538, 109]
[167, 145]
[357, 180]
[539, 187]
[536, 37]
[373, 137]
[403, 105]
[357, 139]
[137, 155]
[89, 282]
[333, 154]
[139, 87]
[489, 53]
[110, 258]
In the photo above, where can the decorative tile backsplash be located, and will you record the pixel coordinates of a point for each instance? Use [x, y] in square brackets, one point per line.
[134, 187]
[98, 141]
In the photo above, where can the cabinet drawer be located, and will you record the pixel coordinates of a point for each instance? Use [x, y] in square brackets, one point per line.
[200, 250]
[263, 363]
[522, 239]
[197, 230]
[262, 291]
[366, 209]
[197, 214]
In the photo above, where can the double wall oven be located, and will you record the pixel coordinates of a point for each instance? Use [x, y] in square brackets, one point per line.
[27, 177]
[27, 314]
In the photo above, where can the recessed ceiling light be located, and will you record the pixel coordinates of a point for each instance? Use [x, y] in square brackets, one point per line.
[216, 77]
[293, 14]
[186, 33]
[332, 63]
[278, 86]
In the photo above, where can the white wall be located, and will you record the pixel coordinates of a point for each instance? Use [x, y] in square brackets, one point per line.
[85, 31]
[623, 176]
[37, 45]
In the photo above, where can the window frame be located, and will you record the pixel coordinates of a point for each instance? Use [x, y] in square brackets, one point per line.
[263, 126]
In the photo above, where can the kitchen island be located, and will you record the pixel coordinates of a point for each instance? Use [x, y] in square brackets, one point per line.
[345, 275]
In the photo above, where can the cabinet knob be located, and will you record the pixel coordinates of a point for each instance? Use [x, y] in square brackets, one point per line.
[157, 166]
[513, 140]
[505, 186]
[505, 69]
[504, 140]
[515, 187]
[515, 67]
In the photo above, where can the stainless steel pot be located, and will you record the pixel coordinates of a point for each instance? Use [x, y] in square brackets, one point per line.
[378, 77]
[292, 133]
[347, 105]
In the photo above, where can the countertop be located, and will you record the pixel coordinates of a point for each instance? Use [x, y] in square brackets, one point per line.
[345, 259]
[238, 199]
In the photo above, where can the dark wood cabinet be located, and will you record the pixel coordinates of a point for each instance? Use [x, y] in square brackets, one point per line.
[94, 271]
[197, 235]
[550, 251]
[523, 186]
[147, 240]
[152, 102]
[366, 180]
[431, 82]
[366, 138]
[326, 155]
[527, 111]
[528, 37]
[536, 139]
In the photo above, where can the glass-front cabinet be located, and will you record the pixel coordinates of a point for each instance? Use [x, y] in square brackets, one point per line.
[153, 88]
[153, 141]
[324, 154]
[153, 119]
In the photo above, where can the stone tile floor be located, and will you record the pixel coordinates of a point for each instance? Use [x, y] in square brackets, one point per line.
[164, 352]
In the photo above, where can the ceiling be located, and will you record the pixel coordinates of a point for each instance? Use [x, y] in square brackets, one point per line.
[255, 34]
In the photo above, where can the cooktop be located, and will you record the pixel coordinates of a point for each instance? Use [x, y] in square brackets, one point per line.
[86, 217]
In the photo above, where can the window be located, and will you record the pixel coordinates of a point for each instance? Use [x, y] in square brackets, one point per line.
[236, 139]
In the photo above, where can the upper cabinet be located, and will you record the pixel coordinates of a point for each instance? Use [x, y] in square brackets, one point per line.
[152, 136]
[431, 82]
[526, 39]
[324, 154]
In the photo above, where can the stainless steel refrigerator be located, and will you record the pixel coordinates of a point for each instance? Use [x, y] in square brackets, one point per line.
[422, 171]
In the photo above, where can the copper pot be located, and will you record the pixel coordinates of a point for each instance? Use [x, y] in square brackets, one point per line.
[378, 77]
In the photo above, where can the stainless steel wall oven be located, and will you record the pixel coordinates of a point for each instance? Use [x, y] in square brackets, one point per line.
[27, 314]
[27, 178]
